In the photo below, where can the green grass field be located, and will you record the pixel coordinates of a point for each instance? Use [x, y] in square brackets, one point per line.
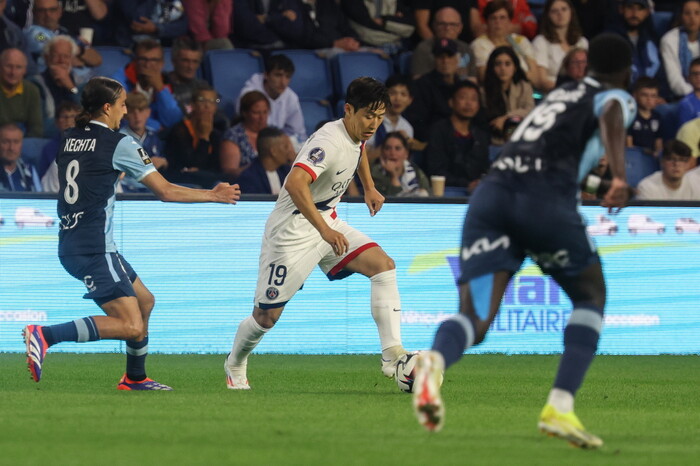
[338, 410]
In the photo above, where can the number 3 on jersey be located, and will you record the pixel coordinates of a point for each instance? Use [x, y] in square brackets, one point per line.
[538, 121]
[70, 194]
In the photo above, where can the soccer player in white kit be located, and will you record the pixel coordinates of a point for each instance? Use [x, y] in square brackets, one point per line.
[303, 231]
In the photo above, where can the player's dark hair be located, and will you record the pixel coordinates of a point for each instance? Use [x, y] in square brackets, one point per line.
[609, 54]
[366, 92]
[97, 92]
[279, 62]
[495, 5]
[266, 138]
[645, 82]
[676, 147]
[400, 80]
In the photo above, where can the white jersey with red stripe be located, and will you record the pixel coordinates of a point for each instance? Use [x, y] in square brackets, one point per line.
[331, 157]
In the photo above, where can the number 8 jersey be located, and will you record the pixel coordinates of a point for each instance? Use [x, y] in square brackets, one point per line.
[558, 143]
[90, 161]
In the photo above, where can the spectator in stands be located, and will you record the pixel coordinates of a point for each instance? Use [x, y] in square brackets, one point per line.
[447, 24]
[432, 91]
[394, 174]
[670, 183]
[266, 173]
[689, 106]
[459, 149]
[251, 27]
[210, 22]
[573, 66]
[645, 131]
[679, 46]
[498, 14]
[19, 99]
[145, 74]
[192, 146]
[238, 148]
[57, 83]
[47, 18]
[593, 15]
[136, 119]
[425, 11]
[285, 109]
[16, 175]
[559, 33]
[314, 24]
[507, 91]
[385, 24]
[523, 21]
[400, 96]
[634, 24]
[187, 58]
[689, 133]
[82, 14]
[161, 20]
[66, 112]
[11, 36]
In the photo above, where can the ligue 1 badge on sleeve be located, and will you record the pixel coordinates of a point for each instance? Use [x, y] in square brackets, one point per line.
[316, 155]
[144, 155]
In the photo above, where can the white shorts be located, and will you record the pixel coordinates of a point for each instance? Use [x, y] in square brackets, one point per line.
[285, 264]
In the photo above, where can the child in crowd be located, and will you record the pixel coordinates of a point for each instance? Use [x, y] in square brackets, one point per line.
[645, 131]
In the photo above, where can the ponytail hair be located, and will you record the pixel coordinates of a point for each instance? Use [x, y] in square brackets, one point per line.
[97, 92]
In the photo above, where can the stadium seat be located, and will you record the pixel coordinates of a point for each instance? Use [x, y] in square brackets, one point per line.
[228, 70]
[167, 59]
[404, 63]
[348, 66]
[315, 111]
[113, 59]
[661, 21]
[31, 149]
[669, 120]
[638, 165]
[312, 74]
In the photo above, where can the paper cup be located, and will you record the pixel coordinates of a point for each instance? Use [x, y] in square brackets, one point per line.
[438, 184]
[86, 35]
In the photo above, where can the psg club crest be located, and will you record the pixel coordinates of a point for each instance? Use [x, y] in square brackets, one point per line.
[316, 155]
[272, 293]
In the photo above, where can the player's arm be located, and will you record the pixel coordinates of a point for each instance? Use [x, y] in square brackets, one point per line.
[373, 198]
[613, 135]
[297, 185]
[222, 193]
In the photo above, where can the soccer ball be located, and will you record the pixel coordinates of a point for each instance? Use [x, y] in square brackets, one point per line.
[405, 372]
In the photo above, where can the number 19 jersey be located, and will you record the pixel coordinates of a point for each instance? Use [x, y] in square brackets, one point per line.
[90, 161]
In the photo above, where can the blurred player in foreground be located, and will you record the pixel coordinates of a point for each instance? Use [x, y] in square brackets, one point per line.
[91, 158]
[304, 230]
[527, 206]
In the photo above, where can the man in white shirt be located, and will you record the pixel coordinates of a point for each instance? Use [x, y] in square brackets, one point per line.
[671, 183]
[285, 110]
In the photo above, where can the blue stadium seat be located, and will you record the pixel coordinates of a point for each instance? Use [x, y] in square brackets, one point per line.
[167, 59]
[669, 120]
[662, 21]
[638, 165]
[31, 149]
[113, 59]
[228, 70]
[315, 111]
[312, 74]
[348, 66]
[404, 63]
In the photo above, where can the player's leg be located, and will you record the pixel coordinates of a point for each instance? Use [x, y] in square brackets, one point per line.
[581, 335]
[480, 299]
[385, 301]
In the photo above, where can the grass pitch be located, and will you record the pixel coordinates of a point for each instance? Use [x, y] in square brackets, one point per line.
[339, 410]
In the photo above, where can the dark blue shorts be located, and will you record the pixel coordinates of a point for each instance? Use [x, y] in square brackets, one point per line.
[106, 276]
[504, 225]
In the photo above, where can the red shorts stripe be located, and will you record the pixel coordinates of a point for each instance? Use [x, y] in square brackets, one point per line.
[347, 259]
[307, 169]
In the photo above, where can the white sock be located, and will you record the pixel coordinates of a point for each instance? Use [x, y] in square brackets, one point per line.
[247, 338]
[562, 400]
[386, 308]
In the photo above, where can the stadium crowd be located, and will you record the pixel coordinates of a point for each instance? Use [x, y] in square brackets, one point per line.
[464, 74]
